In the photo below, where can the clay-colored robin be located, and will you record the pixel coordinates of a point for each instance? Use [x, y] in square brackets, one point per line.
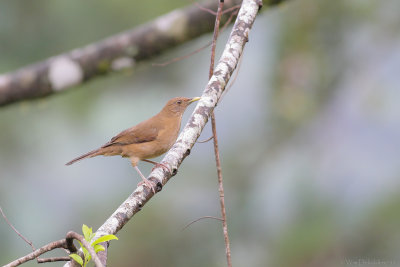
[148, 139]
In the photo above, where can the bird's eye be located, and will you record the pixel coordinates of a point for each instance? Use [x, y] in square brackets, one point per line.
[179, 102]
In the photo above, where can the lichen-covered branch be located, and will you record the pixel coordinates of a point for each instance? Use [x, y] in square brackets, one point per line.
[117, 52]
[209, 99]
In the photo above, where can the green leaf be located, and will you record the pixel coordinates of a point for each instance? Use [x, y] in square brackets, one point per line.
[76, 258]
[91, 237]
[98, 248]
[85, 252]
[87, 232]
[88, 258]
[104, 238]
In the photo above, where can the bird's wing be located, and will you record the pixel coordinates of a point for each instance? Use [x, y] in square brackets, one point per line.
[141, 133]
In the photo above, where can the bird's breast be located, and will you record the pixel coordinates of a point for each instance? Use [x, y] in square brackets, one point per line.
[167, 137]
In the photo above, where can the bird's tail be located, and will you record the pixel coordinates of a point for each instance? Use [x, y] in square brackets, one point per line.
[90, 154]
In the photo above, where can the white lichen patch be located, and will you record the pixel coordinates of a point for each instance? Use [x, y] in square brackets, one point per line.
[122, 63]
[236, 47]
[223, 68]
[248, 11]
[64, 72]
[206, 101]
[172, 24]
[198, 121]
[188, 134]
[223, 71]
[171, 159]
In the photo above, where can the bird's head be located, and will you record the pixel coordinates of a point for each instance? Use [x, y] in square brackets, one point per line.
[178, 105]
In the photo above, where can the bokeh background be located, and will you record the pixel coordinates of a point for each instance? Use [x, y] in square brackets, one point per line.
[309, 138]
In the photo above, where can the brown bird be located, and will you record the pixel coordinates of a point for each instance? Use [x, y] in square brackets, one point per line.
[148, 139]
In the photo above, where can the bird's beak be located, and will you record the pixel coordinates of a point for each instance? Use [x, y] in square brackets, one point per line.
[194, 99]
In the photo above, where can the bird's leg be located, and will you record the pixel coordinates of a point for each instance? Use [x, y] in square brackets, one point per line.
[156, 164]
[145, 181]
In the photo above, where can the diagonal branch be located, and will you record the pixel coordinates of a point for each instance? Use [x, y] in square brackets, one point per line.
[117, 52]
[195, 125]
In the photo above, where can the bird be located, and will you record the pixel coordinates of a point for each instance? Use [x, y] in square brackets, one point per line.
[148, 139]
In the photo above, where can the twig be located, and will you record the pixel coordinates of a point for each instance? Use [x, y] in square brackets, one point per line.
[175, 59]
[215, 13]
[16, 231]
[221, 192]
[216, 150]
[201, 218]
[205, 141]
[54, 259]
[215, 37]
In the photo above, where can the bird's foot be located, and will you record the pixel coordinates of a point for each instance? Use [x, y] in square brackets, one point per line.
[150, 184]
[156, 164]
[163, 166]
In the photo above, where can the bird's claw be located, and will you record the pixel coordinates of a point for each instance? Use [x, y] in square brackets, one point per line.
[150, 184]
[163, 166]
